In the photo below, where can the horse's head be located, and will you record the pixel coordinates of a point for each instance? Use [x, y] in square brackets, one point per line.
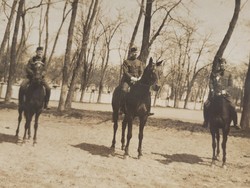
[38, 69]
[151, 75]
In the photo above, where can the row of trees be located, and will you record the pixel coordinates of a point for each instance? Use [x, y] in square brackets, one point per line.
[92, 38]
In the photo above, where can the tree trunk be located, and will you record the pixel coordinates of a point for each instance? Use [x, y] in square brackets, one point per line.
[7, 30]
[228, 35]
[245, 117]
[67, 57]
[13, 54]
[82, 57]
[57, 34]
[146, 32]
[47, 27]
[136, 27]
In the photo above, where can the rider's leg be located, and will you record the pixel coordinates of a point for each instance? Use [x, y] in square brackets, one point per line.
[22, 89]
[149, 106]
[47, 95]
[206, 113]
[233, 112]
[124, 91]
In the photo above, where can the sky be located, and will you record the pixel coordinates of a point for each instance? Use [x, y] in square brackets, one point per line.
[213, 17]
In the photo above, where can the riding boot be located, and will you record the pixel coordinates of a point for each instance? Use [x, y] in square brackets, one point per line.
[47, 94]
[234, 117]
[149, 107]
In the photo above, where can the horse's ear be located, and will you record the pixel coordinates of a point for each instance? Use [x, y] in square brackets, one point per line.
[159, 63]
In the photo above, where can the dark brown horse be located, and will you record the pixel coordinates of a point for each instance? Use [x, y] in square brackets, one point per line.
[32, 102]
[138, 102]
[220, 118]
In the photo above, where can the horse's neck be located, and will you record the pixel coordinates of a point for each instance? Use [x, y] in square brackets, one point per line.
[140, 89]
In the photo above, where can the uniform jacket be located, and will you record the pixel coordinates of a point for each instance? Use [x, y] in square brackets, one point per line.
[132, 68]
[29, 67]
[221, 81]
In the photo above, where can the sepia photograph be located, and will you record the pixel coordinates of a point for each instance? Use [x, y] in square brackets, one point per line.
[124, 93]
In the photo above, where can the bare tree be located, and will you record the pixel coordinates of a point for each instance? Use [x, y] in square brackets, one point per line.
[47, 27]
[132, 40]
[13, 52]
[82, 56]
[245, 117]
[65, 14]
[67, 57]
[146, 40]
[228, 35]
[109, 34]
[7, 29]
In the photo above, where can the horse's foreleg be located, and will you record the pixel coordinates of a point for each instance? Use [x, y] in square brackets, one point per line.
[143, 121]
[29, 130]
[35, 128]
[218, 143]
[20, 111]
[223, 145]
[214, 147]
[27, 125]
[124, 125]
[115, 126]
[129, 136]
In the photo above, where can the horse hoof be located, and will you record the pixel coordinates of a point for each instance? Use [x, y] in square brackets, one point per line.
[213, 164]
[224, 166]
[139, 157]
[112, 151]
[126, 156]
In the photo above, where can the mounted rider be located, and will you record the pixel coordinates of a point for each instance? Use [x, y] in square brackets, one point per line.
[132, 71]
[220, 83]
[30, 73]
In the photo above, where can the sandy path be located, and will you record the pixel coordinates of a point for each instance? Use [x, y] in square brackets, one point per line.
[75, 153]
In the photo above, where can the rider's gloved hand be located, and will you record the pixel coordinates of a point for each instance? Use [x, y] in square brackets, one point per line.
[212, 93]
[134, 79]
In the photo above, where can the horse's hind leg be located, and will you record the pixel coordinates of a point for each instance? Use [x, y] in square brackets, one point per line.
[35, 128]
[129, 136]
[29, 130]
[143, 121]
[218, 144]
[214, 147]
[224, 143]
[124, 125]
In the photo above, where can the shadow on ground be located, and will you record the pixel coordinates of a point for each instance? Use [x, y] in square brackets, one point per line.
[181, 158]
[102, 117]
[94, 149]
[8, 138]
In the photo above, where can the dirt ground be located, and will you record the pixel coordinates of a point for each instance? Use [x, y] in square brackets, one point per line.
[73, 150]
